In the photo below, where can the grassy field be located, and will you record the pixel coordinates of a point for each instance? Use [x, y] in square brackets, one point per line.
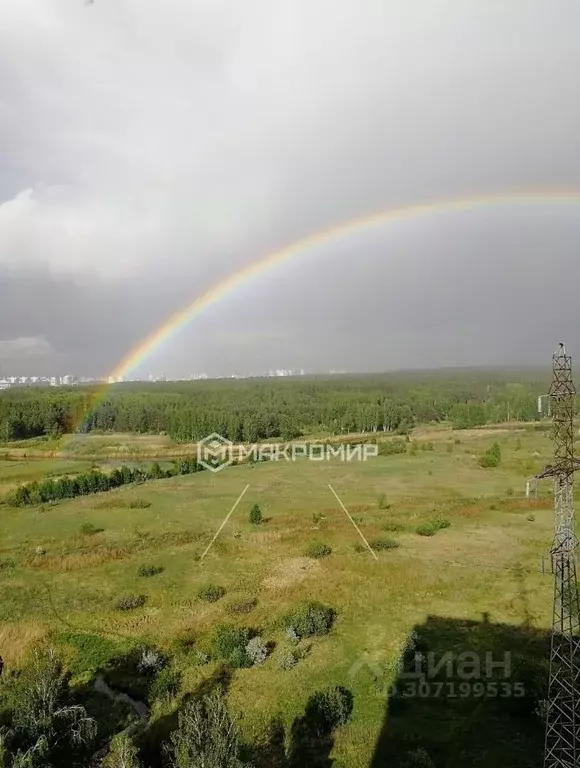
[478, 581]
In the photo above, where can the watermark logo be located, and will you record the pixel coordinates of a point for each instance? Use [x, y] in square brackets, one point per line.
[215, 452]
[449, 674]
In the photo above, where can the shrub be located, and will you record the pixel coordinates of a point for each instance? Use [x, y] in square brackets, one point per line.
[426, 529]
[166, 685]
[6, 563]
[288, 659]
[382, 502]
[151, 661]
[88, 529]
[256, 517]
[256, 651]
[331, 708]
[358, 547]
[130, 602]
[430, 528]
[392, 447]
[292, 636]
[318, 517]
[150, 570]
[139, 504]
[492, 457]
[229, 643]
[317, 549]
[211, 593]
[381, 544]
[246, 606]
[311, 618]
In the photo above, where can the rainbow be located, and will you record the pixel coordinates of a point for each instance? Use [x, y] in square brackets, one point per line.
[176, 322]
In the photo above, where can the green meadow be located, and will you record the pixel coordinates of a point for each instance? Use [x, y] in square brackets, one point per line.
[475, 583]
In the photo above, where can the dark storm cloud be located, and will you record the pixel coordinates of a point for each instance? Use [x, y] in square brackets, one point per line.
[149, 149]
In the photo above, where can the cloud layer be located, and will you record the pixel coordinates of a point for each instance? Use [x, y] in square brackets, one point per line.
[149, 149]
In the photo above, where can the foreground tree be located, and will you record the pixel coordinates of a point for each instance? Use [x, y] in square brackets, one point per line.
[207, 736]
[48, 729]
[123, 753]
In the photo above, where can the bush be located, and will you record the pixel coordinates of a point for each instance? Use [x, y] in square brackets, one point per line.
[139, 504]
[256, 651]
[292, 636]
[426, 529]
[288, 659]
[317, 549]
[211, 593]
[7, 563]
[382, 502]
[166, 685]
[382, 544]
[150, 570]
[228, 643]
[311, 618]
[392, 447]
[88, 529]
[430, 528]
[151, 661]
[256, 517]
[130, 602]
[318, 517]
[331, 708]
[246, 606]
[492, 457]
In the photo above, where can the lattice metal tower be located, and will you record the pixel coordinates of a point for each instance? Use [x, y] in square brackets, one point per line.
[562, 746]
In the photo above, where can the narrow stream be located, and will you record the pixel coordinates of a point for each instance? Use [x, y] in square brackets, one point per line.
[102, 687]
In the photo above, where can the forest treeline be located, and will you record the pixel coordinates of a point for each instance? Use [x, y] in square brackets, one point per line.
[260, 409]
[95, 481]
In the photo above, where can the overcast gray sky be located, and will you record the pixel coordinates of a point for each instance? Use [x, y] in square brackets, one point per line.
[148, 148]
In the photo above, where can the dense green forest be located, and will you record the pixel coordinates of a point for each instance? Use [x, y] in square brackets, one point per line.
[249, 410]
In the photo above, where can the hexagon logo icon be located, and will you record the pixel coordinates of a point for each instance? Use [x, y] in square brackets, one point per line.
[214, 452]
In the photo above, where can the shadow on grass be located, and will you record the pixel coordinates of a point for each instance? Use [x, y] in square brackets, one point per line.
[311, 737]
[158, 732]
[467, 694]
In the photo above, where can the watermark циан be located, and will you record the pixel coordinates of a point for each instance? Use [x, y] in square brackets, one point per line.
[215, 452]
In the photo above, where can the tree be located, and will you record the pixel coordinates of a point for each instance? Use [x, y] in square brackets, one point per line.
[256, 515]
[207, 736]
[47, 728]
[123, 753]
[492, 457]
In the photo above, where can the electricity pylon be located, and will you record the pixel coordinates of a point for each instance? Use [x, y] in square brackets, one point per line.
[562, 745]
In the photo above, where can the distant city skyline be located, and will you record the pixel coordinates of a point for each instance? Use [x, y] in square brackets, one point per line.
[72, 380]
